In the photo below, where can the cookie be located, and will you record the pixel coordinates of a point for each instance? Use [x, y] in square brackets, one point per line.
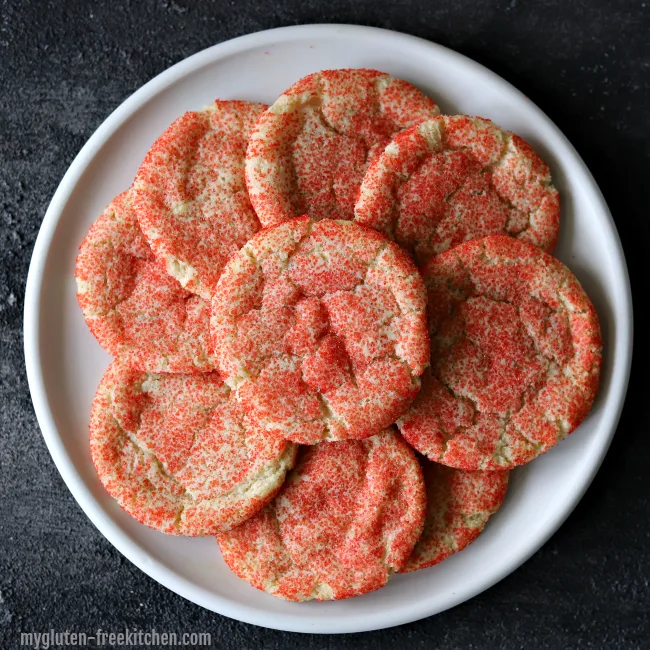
[455, 178]
[190, 194]
[459, 505]
[516, 355]
[320, 327]
[310, 149]
[132, 306]
[178, 454]
[348, 516]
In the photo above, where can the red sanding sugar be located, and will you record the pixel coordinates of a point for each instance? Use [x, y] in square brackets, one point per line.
[132, 306]
[179, 455]
[190, 193]
[516, 356]
[321, 329]
[455, 178]
[310, 149]
[348, 516]
[459, 504]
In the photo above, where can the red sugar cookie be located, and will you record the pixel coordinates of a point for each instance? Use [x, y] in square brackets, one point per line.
[177, 453]
[321, 329]
[310, 149]
[348, 516]
[455, 178]
[459, 505]
[190, 194]
[132, 306]
[516, 356]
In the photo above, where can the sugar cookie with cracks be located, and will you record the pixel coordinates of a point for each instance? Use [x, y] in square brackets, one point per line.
[455, 178]
[320, 327]
[190, 194]
[348, 516]
[177, 453]
[517, 350]
[459, 505]
[310, 149]
[131, 305]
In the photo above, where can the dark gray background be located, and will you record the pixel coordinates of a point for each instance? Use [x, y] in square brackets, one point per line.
[65, 65]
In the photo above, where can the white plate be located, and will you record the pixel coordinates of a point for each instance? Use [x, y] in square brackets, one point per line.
[64, 363]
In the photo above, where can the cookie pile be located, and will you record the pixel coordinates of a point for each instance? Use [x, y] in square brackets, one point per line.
[336, 325]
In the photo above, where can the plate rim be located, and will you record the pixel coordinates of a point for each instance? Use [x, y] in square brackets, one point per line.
[32, 330]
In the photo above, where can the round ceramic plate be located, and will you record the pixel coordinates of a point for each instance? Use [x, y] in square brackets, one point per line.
[64, 363]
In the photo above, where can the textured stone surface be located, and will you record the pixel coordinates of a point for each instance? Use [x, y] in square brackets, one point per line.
[64, 66]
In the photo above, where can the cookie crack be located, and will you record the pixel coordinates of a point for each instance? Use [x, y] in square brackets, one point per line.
[147, 453]
[401, 179]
